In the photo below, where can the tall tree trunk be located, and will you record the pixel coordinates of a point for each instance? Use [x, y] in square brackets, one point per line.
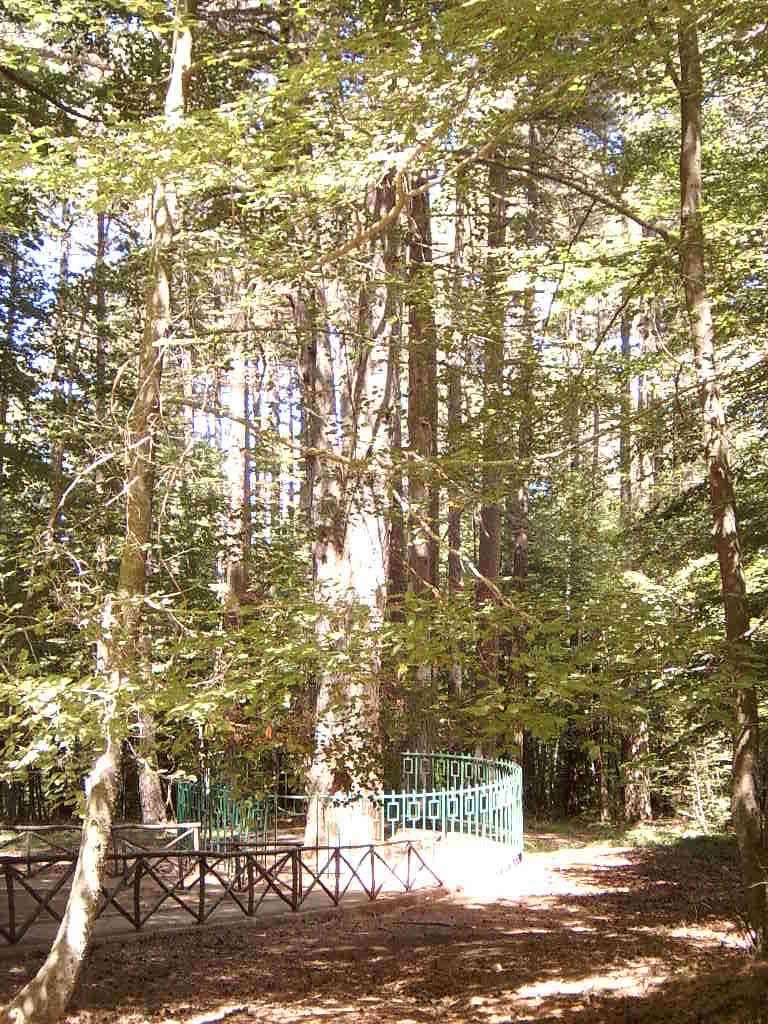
[59, 400]
[422, 442]
[625, 431]
[6, 353]
[519, 524]
[455, 584]
[44, 999]
[145, 411]
[238, 488]
[746, 801]
[351, 559]
[101, 317]
[489, 557]
[397, 579]
[634, 743]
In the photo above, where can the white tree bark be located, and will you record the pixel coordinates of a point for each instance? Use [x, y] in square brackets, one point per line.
[44, 999]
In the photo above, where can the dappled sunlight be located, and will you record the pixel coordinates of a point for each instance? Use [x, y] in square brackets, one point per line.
[626, 936]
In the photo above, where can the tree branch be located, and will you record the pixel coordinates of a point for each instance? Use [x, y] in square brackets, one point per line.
[525, 171]
[28, 86]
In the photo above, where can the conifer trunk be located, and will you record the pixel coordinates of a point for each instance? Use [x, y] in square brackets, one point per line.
[746, 801]
[454, 427]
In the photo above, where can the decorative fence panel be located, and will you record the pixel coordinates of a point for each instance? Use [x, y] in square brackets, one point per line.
[226, 821]
[468, 795]
[442, 792]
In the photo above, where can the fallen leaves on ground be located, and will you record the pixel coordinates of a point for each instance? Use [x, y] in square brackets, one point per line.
[578, 935]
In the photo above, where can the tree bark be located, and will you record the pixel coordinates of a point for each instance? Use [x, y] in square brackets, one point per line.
[59, 401]
[637, 783]
[489, 553]
[625, 430]
[144, 415]
[44, 999]
[397, 578]
[455, 583]
[519, 522]
[101, 317]
[238, 488]
[422, 443]
[746, 800]
[350, 556]
[6, 354]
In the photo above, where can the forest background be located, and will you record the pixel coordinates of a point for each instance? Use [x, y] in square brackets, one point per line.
[374, 376]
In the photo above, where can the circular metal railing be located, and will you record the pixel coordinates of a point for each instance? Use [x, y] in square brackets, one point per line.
[442, 792]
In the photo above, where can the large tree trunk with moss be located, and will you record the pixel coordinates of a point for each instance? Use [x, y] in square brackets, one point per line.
[746, 793]
[350, 552]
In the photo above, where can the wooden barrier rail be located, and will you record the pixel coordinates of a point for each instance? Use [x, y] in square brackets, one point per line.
[125, 839]
[200, 881]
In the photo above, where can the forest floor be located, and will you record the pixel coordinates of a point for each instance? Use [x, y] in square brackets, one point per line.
[587, 929]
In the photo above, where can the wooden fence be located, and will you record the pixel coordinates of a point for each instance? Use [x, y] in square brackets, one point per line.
[197, 882]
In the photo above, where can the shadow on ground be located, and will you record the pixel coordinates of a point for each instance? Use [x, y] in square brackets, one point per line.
[616, 936]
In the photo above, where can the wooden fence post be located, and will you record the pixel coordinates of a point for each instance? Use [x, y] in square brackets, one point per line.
[137, 891]
[249, 865]
[11, 904]
[295, 873]
[202, 868]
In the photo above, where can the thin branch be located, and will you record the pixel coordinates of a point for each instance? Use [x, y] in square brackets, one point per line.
[403, 195]
[23, 83]
[571, 243]
[526, 172]
[623, 305]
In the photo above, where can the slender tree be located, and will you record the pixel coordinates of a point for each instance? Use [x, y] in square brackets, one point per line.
[722, 501]
[44, 999]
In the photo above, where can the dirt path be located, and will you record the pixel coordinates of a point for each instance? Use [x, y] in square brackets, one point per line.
[595, 934]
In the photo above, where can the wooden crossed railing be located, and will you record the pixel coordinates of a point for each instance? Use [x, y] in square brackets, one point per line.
[198, 882]
[65, 839]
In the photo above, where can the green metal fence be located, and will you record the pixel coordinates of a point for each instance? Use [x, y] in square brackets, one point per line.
[457, 793]
[226, 821]
[441, 792]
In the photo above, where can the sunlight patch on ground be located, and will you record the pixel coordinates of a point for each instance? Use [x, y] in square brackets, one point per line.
[633, 978]
[715, 934]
